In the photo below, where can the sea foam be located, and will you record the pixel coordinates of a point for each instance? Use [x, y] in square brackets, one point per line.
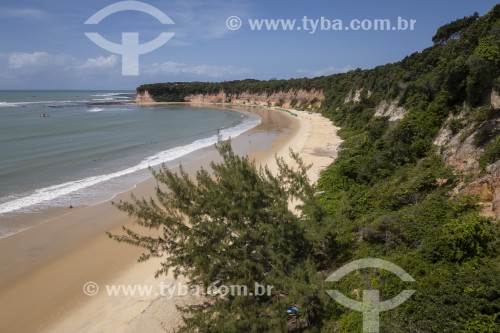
[47, 194]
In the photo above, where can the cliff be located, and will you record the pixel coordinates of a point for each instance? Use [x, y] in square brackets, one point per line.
[462, 142]
[303, 99]
[295, 93]
[144, 97]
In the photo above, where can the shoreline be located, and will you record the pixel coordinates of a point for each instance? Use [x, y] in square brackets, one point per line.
[31, 208]
[44, 281]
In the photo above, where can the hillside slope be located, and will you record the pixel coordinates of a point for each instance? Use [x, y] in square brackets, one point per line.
[418, 172]
[417, 181]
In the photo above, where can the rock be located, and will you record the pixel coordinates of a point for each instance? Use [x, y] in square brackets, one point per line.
[144, 97]
[495, 99]
[442, 181]
[487, 188]
[391, 110]
[247, 98]
[354, 96]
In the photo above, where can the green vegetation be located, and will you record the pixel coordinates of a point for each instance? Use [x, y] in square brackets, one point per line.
[233, 227]
[454, 29]
[388, 196]
[177, 91]
[491, 153]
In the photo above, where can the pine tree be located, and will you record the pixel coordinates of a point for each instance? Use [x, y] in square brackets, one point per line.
[233, 226]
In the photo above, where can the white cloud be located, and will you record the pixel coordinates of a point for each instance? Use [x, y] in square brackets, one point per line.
[20, 60]
[44, 60]
[325, 71]
[35, 70]
[177, 68]
[43, 69]
[101, 62]
[23, 13]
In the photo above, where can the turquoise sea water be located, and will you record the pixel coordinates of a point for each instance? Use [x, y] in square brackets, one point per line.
[80, 152]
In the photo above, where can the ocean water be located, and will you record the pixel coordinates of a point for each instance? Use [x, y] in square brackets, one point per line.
[70, 147]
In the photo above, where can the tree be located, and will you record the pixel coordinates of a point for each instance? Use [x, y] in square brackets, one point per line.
[454, 29]
[233, 226]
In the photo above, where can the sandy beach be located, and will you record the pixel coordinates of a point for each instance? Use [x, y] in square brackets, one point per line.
[43, 270]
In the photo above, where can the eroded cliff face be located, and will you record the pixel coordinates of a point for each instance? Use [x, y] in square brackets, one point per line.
[391, 110]
[487, 188]
[458, 147]
[460, 151]
[290, 99]
[144, 97]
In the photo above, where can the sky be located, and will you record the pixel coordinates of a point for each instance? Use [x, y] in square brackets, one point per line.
[43, 45]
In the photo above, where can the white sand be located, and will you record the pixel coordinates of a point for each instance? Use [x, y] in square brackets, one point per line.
[316, 142]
